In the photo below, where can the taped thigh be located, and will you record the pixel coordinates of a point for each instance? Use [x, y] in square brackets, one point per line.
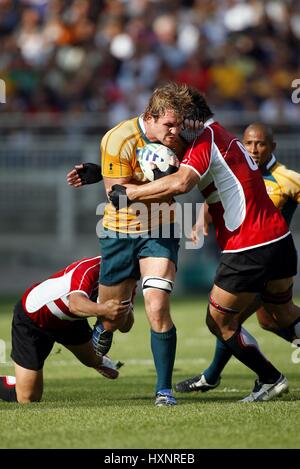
[278, 298]
[222, 309]
[158, 283]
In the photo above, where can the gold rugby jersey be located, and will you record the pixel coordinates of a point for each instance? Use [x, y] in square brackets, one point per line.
[119, 148]
[283, 187]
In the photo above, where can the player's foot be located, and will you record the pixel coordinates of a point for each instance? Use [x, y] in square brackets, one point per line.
[265, 392]
[165, 397]
[101, 339]
[198, 383]
[108, 368]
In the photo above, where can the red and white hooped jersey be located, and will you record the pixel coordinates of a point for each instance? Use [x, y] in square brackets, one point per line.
[47, 303]
[243, 214]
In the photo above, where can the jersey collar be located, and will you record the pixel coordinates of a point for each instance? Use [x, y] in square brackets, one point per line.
[272, 162]
[141, 125]
[209, 122]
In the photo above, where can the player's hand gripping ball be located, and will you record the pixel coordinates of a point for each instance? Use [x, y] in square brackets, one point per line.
[157, 160]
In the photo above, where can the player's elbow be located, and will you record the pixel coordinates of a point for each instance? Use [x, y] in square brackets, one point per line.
[75, 303]
[72, 304]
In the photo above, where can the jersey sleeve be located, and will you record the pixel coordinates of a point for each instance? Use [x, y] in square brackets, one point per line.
[290, 182]
[85, 277]
[198, 155]
[116, 156]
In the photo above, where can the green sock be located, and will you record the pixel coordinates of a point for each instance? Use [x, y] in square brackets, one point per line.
[163, 346]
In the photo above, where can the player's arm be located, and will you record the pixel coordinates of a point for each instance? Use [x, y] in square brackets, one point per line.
[202, 223]
[83, 307]
[109, 182]
[293, 184]
[84, 173]
[178, 183]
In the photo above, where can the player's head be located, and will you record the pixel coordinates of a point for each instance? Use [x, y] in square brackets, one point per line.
[259, 142]
[166, 109]
[201, 110]
[193, 123]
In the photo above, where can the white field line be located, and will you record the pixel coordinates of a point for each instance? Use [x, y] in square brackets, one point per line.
[149, 362]
[130, 361]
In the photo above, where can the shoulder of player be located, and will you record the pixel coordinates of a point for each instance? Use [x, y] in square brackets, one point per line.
[84, 265]
[288, 180]
[206, 137]
[122, 136]
[214, 131]
[284, 173]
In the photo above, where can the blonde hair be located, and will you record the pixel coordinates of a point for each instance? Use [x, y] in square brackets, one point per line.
[172, 96]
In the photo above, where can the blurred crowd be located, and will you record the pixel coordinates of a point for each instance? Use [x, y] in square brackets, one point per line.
[107, 56]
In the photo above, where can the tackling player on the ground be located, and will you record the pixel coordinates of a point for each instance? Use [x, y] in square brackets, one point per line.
[252, 235]
[283, 187]
[56, 310]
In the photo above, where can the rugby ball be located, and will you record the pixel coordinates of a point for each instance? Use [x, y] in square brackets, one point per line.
[155, 155]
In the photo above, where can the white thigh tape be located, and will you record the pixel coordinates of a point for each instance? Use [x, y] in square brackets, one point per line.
[157, 282]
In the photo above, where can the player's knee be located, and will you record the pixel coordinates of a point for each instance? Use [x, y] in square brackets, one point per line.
[266, 324]
[155, 305]
[156, 292]
[222, 325]
[210, 322]
[159, 317]
[127, 324]
[110, 326]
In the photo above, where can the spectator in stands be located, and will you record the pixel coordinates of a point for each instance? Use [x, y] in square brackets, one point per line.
[108, 51]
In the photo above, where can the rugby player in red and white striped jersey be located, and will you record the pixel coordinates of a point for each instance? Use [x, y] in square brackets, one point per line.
[56, 310]
[258, 253]
[47, 303]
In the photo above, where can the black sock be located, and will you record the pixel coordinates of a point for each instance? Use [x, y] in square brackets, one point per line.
[8, 389]
[245, 348]
[290, 332]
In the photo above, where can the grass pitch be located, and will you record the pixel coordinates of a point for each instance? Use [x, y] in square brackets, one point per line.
[81, 409]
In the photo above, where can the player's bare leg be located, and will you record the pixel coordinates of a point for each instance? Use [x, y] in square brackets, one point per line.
[278, 302]
[103, 330]
[210, 378]
[87, 356]
[158, 276]
[223, 320]
[225, 311]
[157, 300]
[29, 384]
[122, 291]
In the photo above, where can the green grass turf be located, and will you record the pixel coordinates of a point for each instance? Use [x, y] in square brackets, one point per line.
[81, 409]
